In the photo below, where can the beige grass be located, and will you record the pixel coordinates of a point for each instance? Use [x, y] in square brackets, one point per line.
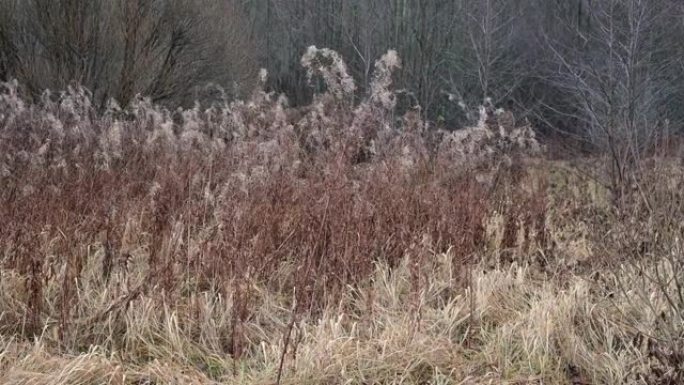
[511, 326]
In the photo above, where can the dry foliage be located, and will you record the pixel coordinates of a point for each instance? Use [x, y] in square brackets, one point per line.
[253, 243]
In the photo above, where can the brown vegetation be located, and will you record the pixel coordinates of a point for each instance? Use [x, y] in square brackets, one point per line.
[238, 244]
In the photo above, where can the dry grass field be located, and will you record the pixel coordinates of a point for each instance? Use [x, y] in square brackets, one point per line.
[253, 244]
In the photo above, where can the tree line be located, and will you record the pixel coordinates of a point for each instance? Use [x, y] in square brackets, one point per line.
[603, 71]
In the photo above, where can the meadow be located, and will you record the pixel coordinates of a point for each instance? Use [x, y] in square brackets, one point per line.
[250, 242]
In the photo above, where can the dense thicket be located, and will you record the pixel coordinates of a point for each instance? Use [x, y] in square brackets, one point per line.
[165, 49]
[608, 70]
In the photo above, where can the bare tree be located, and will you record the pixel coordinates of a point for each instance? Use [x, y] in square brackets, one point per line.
[163, 49]
[618, 76]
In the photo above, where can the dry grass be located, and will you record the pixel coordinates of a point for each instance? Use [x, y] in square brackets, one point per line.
[509, 326]
[252, 243]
